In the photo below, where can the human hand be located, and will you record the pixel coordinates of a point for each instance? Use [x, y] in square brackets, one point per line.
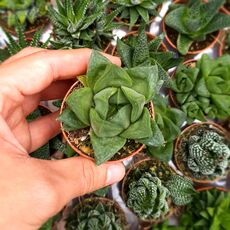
[32, 190]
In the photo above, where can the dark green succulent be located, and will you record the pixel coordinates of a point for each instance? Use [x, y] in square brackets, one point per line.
[147, 197]
[204, 90]
[82, 23]
[24, 11]
[137, 10]
[195, 21]
[115, 106]
[138, 51]
[95, 214]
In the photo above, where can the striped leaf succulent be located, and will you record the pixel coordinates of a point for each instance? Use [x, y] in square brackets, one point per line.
[26, 12]
[147, 197]
[195, 21]
[208, 153]
[113, 103]
[94, 214]
[82, 23]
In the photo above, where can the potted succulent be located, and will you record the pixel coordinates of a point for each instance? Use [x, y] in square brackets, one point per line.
[202, 152]
[202, 89]
[86, 26]
[134, 12]
[14, 46]
[31, 14]
[96, 213]
[193, 26]
[152, 190]
[142, 49]
[224, 47]
[116, 116]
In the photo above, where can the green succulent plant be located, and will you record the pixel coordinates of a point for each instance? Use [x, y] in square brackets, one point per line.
[82, 23]
[195, 21]
[137, 10]
[181, 189]
[95, 214]
[206, 153]
[147, 197]
[137, 51]
[169, 121]
[26, 12]
[204, 90]
[114, 106]
[14, 46]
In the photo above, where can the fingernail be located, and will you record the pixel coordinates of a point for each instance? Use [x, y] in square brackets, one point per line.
[115, 173]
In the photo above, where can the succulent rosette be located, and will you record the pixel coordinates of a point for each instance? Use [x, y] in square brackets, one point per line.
[114, 103]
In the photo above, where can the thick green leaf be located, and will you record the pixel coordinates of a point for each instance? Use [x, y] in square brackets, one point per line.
[183, 43]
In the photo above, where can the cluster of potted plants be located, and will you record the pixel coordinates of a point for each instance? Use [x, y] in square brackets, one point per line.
[139, 110]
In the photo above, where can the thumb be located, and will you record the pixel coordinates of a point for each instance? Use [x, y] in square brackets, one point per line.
[78, 176]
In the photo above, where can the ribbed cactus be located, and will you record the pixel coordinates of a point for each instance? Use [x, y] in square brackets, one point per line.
[207, 153]
[181, 189]
[94, 215]
[147, 197]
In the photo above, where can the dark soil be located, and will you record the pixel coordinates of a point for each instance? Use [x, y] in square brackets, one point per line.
[227, 6]
[173, 35]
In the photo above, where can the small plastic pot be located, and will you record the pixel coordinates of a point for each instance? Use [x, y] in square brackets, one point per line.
[181, 165]
[173, 45]
[146, 164]
[66, 134]
[172, 97]
[135, 33]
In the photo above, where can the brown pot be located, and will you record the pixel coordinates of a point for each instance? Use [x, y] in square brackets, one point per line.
[135, 33]
[182, 166]
[172, 97]
[77, 84]
[201, 189]
[173, 45]
[147, 163]
[114, 206]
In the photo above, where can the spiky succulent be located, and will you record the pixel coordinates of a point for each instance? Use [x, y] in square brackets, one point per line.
[137, 51]
[181, 189]
[204, 90]
[95, 214]
[14, 46]
[147, 197]
[82, 23]
[26, 12]
[136, 10]
[113, 104]
[207, 153]
[195, 21]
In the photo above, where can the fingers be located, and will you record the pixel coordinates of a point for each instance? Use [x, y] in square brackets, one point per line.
[33, 73]
[43, 129]
[78, 176]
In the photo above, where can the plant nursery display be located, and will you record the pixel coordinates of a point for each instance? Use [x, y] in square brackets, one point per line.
[203, 91]
[194, 25]
[151, 189]
[96, 213]
[31, 14]
[82, 23]
[116, 109]
[202, 152]
[135, 11]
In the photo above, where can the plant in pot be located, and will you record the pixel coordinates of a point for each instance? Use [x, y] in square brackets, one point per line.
[31, 14]
[87, 25]
[135, 11]
[96, 213]
[116, 116]
[194, 25]
[138, 51]
[14, 46]
[202, 89]
[151, 189]
[169, 121]
[202, 152]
